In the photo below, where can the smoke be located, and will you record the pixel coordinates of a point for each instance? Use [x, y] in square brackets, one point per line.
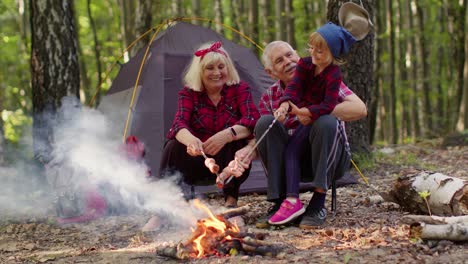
[86, 155]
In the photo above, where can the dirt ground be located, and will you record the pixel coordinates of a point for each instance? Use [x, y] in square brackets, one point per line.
[360, 232]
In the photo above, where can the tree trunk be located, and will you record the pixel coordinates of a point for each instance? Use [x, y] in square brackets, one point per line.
[268, 31]
[427, 91]
[392, 73]
[447, 195]
[177, 8]
[361, 67]
[126, 10]
[290, 33]
[54, 67]
[219, 16]
[143, 22]
[253, 24]
[196, 10]
[378, 73]
[97, 51]
[279, 21]
[405, 93]
[416, 124]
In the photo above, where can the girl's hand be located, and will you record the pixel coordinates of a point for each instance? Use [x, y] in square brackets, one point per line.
[282, 111]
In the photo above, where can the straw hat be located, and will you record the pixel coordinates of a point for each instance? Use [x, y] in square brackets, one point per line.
[355, 19]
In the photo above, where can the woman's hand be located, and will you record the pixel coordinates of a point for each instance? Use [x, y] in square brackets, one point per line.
[194, 147]
[216, 142]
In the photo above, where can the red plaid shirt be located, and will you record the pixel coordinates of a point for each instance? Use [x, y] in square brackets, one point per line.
[318, 93]
[203, 119]
[270, 99]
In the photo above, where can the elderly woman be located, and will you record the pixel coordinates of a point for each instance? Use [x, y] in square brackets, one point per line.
[215, 117]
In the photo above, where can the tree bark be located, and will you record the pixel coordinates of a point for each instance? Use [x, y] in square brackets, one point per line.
[459, 10]
[143, 22]
[448, 195]
[279, 21]
[416, 125]
[453, 232]
[268, 32]
[54, 67]
[253, 24]
[358, 75]
[196, 10]
[392, 73]
[290, 32]
[405, 94]
[378, 74]
[97, 51]
[126, 10]
[427, 91]
[219, 16]
[434, 220]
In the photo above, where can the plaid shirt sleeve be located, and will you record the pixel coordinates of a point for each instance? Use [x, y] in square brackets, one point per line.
[294, 88]
[344, 91]
[332, 89]
[247, 108]
[184, 112]
[265, 103]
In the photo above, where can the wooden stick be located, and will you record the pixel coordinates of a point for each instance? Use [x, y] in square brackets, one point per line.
[176, 251]
[453, 232]
[235, 212]
[435, 220]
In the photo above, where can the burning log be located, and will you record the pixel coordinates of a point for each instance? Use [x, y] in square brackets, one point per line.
[215, 236]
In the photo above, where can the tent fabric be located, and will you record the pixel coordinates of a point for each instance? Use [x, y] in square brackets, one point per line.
[156, 94]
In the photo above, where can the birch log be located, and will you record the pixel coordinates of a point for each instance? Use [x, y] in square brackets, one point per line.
[448, 195]
[453, 232]
[434, 220]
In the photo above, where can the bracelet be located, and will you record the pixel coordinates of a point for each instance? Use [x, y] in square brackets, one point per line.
[233, 133]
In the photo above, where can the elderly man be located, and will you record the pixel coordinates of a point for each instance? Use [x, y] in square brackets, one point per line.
[329, 154]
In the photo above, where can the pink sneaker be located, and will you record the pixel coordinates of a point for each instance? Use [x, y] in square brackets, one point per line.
[287, 212]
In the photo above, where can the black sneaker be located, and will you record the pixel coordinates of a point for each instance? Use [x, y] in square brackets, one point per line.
[313, 218]
[262, 222]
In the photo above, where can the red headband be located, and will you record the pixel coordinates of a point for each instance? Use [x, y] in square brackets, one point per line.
[214, 48]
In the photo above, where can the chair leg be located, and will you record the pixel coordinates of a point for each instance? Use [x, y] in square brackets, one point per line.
[333, 201]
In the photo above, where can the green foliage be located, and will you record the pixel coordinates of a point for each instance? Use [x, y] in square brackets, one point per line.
[364, 161]
[15, 124]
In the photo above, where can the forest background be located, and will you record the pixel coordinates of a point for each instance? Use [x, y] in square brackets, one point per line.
[417, 87]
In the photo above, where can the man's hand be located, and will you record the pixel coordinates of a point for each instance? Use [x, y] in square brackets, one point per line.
[304, 120]
[241, 155]
[216, 142]
[195, 147]
[281, 112]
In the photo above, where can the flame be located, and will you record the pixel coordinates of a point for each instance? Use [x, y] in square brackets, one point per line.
[208, 232]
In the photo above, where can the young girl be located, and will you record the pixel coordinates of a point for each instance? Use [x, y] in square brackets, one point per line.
[313, 92]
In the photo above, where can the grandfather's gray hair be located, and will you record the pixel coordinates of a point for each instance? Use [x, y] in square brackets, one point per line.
[266, 52]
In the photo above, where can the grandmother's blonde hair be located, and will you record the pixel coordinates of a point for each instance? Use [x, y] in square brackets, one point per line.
[193, 73]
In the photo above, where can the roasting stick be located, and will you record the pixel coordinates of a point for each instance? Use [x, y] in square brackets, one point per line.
[220, 182]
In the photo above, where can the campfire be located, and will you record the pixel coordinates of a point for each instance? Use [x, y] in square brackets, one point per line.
[216, 236]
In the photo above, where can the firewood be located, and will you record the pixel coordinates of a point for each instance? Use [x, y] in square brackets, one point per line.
[453, 232]
[270, 251]
[448, 195]
[259, 236]
[174, 251]
[256, 242]
[434, 220]
[235, 212]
